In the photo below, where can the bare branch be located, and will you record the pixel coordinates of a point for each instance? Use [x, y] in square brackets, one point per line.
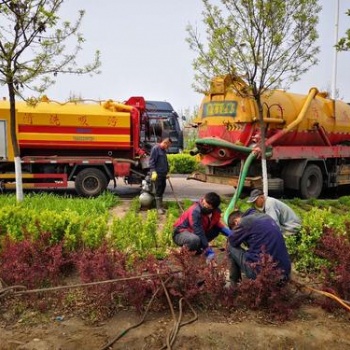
[267, 42]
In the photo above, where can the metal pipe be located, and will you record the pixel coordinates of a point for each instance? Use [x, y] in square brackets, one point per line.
[312, 93]
[323, 135]
[194, 151]
[335, 51]
[274, 120]
[271, 120]
[125, 160]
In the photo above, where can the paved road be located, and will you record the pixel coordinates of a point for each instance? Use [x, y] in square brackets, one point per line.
[189, 189]
[183, 188]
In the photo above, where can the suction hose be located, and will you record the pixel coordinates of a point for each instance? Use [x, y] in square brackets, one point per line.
[212, 141]
[242, 176]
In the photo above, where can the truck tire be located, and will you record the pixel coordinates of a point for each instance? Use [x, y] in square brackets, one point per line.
[311, 182]
[90, 182]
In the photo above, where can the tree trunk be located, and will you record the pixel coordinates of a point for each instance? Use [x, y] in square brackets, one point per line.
[19, 185]
[263, 147]
[15, 146]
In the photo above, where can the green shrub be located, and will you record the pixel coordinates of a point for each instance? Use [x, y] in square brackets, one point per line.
[84, 223]
[302, 245]
[182, 163]
[76, 221]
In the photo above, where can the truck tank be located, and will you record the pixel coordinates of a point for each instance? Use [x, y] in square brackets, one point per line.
[229, 116]
[89, 129]
[307, 137]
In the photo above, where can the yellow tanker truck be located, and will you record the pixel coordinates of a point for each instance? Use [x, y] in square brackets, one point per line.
[307, 138]
[88, 143]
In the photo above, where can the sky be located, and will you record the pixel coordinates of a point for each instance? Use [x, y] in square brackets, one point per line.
[144, 52]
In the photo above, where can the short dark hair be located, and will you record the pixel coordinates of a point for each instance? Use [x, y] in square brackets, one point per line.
[168, 140]
[213, 199]
[232, 217]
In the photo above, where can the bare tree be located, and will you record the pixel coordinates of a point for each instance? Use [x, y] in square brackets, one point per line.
[267, 43]
[33, 50]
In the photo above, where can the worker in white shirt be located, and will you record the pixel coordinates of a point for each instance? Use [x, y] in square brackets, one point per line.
[284, 216]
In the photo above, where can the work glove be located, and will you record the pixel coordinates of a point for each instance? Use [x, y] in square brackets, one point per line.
[209, 254]
[154, 176]
[226, 231]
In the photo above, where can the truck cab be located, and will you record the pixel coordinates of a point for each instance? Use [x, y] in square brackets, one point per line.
[162, 121]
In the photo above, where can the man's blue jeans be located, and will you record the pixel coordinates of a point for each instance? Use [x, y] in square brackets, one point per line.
[192, 241]
[238, 264]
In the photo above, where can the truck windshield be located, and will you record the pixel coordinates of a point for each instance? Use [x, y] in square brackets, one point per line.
[161, 122]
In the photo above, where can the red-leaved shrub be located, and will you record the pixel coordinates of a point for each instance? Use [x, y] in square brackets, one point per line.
[130, 289]
[33, 264]
[197, 282]
[267, 292]
[335, 248]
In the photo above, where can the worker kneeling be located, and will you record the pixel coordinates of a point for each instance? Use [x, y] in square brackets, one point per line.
[261, 234]
[200, 224]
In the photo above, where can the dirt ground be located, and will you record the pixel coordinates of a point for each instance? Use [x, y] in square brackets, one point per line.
[313, 328]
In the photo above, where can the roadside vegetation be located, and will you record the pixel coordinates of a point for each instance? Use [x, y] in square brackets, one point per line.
[49, 241]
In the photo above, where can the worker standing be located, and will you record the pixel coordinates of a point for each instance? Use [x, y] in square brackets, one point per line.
[159, 168]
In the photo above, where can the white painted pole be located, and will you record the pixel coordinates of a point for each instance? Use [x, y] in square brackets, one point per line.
[335, 57]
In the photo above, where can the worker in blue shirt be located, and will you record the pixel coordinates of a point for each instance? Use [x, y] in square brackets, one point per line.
[159, 167]
[261, 234]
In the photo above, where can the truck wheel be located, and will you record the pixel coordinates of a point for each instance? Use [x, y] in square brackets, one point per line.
[311, 182]
[90, 182]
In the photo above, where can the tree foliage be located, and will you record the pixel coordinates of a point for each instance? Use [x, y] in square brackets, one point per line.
[36, 45]
[265, 42]
[344, 42]
[261, 44]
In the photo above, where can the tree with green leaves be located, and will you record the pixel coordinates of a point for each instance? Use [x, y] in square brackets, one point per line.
[36, 46]
[344, 42]
[267, 43]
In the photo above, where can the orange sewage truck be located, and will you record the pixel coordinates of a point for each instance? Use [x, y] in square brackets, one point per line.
[307, 138]
[87, 143]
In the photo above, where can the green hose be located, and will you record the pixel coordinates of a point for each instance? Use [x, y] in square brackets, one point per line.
[215, 142]
[243, 173]
[242, 176]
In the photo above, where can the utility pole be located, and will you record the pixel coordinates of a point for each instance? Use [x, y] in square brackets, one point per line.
[335, 57]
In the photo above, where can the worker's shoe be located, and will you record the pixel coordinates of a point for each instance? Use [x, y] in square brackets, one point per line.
[159, 205]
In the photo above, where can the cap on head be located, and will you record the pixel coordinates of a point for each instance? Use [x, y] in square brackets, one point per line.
[254, 195]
